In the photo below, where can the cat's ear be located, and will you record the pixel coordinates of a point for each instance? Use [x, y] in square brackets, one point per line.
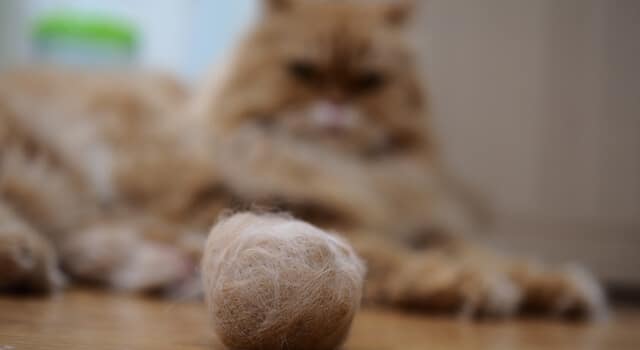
[274, 6]
[399, 13]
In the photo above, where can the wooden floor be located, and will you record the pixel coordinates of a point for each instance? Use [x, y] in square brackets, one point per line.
[90, 320]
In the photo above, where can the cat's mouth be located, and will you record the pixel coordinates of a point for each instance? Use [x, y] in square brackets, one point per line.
[319, 118]
[336, 125]
[333, 117]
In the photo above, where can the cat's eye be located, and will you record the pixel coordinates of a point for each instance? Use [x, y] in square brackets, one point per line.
[303, 71]
[369, 82]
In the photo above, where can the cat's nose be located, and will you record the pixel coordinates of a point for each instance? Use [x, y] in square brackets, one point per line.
[336, 96]
[331, 115]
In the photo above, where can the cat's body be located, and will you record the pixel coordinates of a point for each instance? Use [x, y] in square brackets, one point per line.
[321, 114]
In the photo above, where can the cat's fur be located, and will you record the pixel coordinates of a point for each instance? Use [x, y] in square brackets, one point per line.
[320, 113]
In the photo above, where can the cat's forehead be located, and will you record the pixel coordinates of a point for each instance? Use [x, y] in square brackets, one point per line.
[336, 32]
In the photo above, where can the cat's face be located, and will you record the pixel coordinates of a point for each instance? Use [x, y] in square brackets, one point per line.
[330, 72]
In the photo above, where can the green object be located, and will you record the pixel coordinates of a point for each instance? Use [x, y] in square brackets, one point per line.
[88, 29]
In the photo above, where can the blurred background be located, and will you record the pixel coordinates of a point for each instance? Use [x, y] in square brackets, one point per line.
[536, 102]
[179, 36]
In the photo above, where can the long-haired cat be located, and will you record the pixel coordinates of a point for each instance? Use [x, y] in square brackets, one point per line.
[320, 113]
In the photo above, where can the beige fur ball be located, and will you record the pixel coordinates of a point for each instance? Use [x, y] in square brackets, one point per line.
[272, 282]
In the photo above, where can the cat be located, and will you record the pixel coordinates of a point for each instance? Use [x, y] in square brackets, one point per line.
[320, 113]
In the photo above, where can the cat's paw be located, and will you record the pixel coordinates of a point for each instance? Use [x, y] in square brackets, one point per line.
[571, 292]
[153, 266]
[27, 262]
[116, 256]
[583, 295]
[450, 287]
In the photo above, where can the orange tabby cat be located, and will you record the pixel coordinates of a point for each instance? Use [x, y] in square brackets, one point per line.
[320, 113]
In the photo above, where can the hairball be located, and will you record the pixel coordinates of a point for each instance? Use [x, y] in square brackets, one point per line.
[272, 282]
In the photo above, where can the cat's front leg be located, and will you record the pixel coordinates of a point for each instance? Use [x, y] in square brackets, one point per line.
[470, 281]
[480, 283]
[27, 260]
[436, 281]
[433, 280]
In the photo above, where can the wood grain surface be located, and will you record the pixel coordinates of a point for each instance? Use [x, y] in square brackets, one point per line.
[95, 320]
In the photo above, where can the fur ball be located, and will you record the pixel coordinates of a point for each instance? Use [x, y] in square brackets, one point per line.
[272, 282]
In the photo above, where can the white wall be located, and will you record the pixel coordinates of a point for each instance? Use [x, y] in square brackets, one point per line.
[486, 69]
[538, 104]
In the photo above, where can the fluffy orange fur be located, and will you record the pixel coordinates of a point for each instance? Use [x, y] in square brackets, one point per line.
[319, 112]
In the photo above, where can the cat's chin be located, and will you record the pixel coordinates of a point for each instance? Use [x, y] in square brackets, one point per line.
[334, 140]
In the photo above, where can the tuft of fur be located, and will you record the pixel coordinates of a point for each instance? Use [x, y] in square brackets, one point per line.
[276, 283]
